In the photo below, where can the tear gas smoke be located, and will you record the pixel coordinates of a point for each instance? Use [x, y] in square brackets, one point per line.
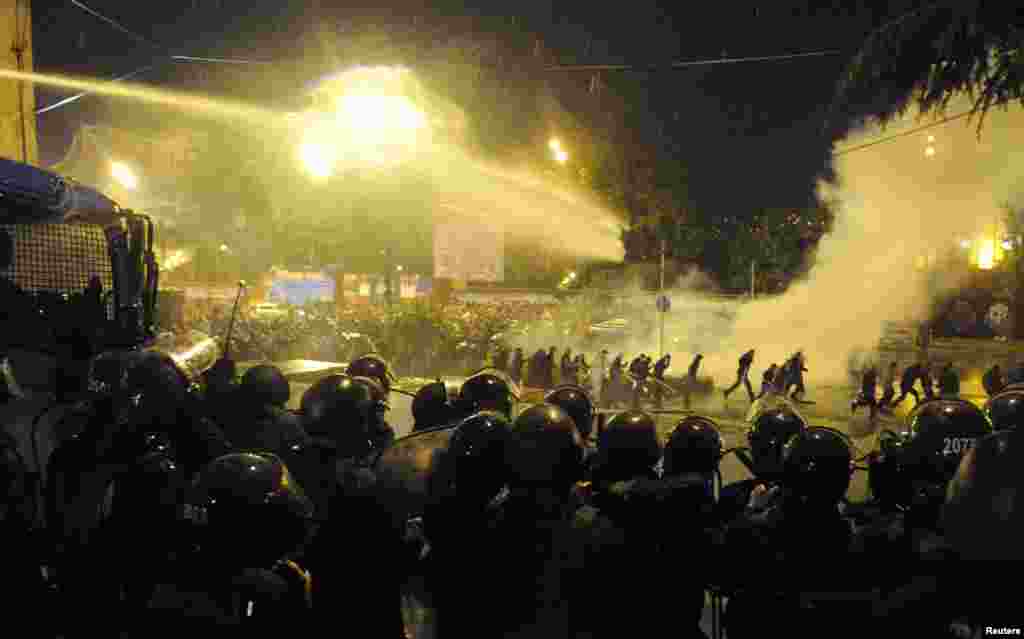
[896, 203]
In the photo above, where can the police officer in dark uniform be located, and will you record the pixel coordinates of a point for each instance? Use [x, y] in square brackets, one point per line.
[22, 578]
[381, 433]
[456, 521]
[691, 379]
[815, 477]
[575, 401]
[487, 389]
[983, 523]
[911, 471]
[536, 527]
[631, 503]
[358, 552]
[373, 366]
[239, 581]
[767, 438]
[1006, 410]
[692, 456]
[260, 421]
[431, 408]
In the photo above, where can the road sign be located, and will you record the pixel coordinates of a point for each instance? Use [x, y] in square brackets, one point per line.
[663, 303]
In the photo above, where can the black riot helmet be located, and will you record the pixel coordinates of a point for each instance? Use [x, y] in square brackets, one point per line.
[941, 431]
[253, 509]
[430, 406]
[695, 446]
[546, 449]
[816, 466]
[628, 446]
[265, 385]
[984, 513]
[477, 450]
[488, 389]
[340, 409]
[373, 366]
[575, 401]
[157, 387]
[768, 436]
[1006, 409]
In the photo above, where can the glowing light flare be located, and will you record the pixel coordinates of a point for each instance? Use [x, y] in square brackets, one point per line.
[379, 115]
[929, 152]
[124, 175]
[561, 156]
[317, 158]
[555, 145]
[987, 255]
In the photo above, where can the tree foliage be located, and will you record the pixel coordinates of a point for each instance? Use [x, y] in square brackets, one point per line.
[940, 50]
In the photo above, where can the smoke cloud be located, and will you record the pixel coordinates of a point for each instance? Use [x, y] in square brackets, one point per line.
[896, 202]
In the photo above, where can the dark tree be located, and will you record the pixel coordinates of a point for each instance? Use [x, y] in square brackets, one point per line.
[937, 51]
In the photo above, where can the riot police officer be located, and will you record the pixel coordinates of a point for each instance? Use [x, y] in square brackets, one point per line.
[627, 449]
[912, 470]
[260, 421]
[487, 390]
[767, 438]
[456, 519]
[238, 578]
[356, 535]
[23, 579]
[1006, 409]
[431, 408]
[535, 528]
[815, 476]
[692, 456]
[373, 366]
[381, 433]
[161, 402]
[575, 401]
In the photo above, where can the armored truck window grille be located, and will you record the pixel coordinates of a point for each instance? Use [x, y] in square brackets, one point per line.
[59, 258]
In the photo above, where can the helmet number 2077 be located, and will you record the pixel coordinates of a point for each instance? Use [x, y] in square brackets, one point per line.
[957, 445]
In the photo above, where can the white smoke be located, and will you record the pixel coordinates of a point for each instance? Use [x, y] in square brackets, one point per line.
[896, 203]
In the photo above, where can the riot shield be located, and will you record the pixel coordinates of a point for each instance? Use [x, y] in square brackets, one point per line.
[408, 470]
[193, 352]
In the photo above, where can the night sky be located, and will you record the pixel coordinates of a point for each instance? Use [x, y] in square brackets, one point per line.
[759, 123]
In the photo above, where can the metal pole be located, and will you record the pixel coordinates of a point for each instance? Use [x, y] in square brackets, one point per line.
[661, 314]
[753, 271]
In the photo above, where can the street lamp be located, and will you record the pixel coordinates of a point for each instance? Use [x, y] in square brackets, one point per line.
[124, 175]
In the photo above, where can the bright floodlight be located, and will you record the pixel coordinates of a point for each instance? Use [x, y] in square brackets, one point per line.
[561, 156]
[965, 244]
[987, 255]
[555, 145]
[224, 248]
[123, 174]
[572, 275]
[929, 152]
[318, 159]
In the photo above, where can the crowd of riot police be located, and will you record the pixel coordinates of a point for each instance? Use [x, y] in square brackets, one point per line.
[169, 510]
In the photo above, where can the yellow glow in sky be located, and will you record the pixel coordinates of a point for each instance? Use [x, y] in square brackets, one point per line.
[124, 175]
[317, 158]
[987, 254]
